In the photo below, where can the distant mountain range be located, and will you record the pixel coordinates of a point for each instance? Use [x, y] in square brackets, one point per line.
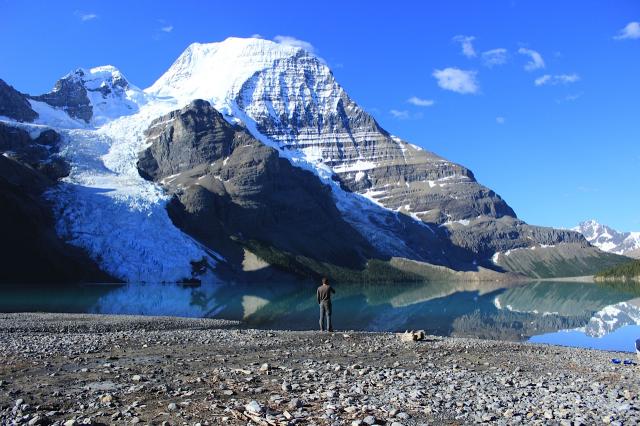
[610, 240]
[247, 160]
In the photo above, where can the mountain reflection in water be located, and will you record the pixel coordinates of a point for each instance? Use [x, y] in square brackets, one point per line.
[512, 311]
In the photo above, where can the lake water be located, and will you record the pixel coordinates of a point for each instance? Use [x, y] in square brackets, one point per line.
[575, 314]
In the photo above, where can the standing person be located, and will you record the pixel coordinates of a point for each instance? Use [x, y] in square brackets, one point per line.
[324, 300]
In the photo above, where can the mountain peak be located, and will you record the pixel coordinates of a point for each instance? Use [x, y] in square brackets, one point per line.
[95, 95]
[608, 239]
[216, 71]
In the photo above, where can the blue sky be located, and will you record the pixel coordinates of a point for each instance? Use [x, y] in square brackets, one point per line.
[561, 150]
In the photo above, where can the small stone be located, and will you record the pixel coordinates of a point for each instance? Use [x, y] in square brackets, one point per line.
[106, 399]
[253, 407]
[295, 403]
[369, 420]
[330, 394]
[265, 367]
[135, 420]
[172, 407]
[228, 392]
[136, 378]
[71, 422]
[37, 420]
[286, 387]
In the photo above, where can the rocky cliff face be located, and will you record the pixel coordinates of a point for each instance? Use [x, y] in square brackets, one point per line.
[228, 184]
[14, 104]
[70, 95]
[40, 153]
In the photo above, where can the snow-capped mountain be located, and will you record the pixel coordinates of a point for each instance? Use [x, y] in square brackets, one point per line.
[608, 239]
[396, 199]
[95, 96]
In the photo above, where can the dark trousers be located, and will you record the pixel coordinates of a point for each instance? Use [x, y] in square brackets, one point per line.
[325, 312]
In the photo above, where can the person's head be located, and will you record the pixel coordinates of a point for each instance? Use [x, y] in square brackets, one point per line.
[325, 281]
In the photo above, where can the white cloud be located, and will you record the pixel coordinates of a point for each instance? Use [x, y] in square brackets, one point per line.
[292, 41]
[500, 120]
[457, 80]
[570, 98]
[554, 80]
[467, 45]
[414, 100]
[402, 115]
[631, 31]
[84, 17]
[167, 29]
[494, 57]
[536, 61]
[256, 35]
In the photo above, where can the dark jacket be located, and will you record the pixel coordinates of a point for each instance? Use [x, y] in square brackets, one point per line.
[324, 293]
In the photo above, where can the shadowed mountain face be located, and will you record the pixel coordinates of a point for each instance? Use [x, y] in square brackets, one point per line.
[227, 183]
[14, 104]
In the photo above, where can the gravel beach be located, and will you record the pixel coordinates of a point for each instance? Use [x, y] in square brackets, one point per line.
[68, 369]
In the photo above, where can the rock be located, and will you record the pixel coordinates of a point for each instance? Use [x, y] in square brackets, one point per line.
[412, 336]
[265, 367]
[369, 420]
[295, 403]
[136, 378]
[39, 420]
[106, 399]
[172, 406]
[254, 407]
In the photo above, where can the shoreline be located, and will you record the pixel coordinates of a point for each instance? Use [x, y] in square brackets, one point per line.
[583, 279]
[108, 369]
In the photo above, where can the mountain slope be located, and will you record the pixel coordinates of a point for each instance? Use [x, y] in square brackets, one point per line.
[229, 184]
[608, 239]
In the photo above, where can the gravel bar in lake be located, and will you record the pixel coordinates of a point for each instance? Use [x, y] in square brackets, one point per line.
[66, 369]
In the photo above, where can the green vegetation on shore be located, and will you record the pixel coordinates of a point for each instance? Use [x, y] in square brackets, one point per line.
[625, 271]
[374, 271]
